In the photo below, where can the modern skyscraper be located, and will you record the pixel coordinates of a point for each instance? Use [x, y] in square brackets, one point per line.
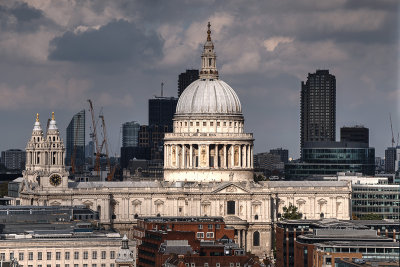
[186, 78]
[130, 134]
[391, 159]
[283, 154]
[76, 140]
[318, 108]
[354, 134]
[13, 159]
[161, 111]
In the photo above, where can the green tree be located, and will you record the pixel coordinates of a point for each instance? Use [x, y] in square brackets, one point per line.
[291, 213]
[371, 216]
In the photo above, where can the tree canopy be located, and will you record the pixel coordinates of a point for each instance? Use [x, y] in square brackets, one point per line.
[291, 213]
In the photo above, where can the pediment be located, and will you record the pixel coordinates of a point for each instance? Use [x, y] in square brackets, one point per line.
[55, 203]
[159, 202]
[136, 202]
[231, 188]
[256, 203]
[87, 203]
[300, 201]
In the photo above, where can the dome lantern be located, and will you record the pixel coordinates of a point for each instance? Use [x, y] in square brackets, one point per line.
[208, 59]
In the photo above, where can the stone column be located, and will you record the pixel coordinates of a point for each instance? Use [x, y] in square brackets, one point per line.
[224, 158]
[240, 156]
[191, 156]
[183, 157]
[216, 154]
[208, 156]
[232, 156]
[251, 156]
[198, 155]
[177, 156]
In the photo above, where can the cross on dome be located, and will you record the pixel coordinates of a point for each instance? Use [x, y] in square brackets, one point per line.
[208, 58]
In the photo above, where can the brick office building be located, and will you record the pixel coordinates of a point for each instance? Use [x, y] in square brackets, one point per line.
[288, 232]
[205, 228]
[177, 248]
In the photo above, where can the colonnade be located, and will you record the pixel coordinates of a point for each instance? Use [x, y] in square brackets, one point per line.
[44, 158]
[219, 156]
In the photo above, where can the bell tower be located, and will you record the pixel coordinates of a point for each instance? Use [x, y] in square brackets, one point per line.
[45, 157]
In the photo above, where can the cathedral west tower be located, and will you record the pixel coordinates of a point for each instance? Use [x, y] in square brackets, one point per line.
[208, 142]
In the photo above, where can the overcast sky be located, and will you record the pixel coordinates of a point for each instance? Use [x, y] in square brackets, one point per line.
[54, 55]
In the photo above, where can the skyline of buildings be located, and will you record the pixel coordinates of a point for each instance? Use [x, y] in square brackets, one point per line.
[318, 108]
[186, 78]
[75, 140]
[208, 181]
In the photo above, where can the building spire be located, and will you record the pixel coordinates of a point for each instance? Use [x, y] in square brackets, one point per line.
[209, 32]
[52, 116]
[37, 117]
[208, 58]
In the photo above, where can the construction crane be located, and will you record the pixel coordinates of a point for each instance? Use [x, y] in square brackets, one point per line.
[111, 173]
[73, 158]
[94, 136]
[391, 128]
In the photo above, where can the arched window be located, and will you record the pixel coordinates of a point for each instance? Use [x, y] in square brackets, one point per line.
[54, 138]
[256, 217]
[256, 239]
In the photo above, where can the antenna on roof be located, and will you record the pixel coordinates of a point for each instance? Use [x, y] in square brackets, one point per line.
[391, 128]
[162, 88]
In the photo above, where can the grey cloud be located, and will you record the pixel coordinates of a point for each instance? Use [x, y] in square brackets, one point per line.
[21, 18]
[119, 40]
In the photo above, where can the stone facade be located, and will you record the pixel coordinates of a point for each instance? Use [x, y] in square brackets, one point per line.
[208, 171]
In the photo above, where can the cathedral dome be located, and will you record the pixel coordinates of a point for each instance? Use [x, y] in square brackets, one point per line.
[210, 96]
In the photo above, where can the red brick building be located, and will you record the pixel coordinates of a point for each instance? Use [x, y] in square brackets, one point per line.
[173, 248]
[205, 228]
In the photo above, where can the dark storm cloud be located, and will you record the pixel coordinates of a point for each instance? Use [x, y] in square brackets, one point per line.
[21, 18]
[119, 40]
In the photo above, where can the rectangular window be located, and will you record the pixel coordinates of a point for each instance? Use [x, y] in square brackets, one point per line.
[197, 123]
[39, 256]
[210, 234]
[94, 265]
[112, 255]
[211, 123]
[39, 265]
[58, 255]
[67, 255]
[200, 234]
[11, 255]
[210, 226]
[200, 226]
[85, 255]
[218, 123]
[76, 265]
[48, 265]
[21, 256]
[76, 255]
[58, 265]
[66, 265]
[84, 265]
[103, 265]
[30, 265]
[103, 255]
[204, 123]
[48, 256]
[94, 255]
[218, 226]
[30, 256]
[112, 265]
[231, 207]
[2, 256]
